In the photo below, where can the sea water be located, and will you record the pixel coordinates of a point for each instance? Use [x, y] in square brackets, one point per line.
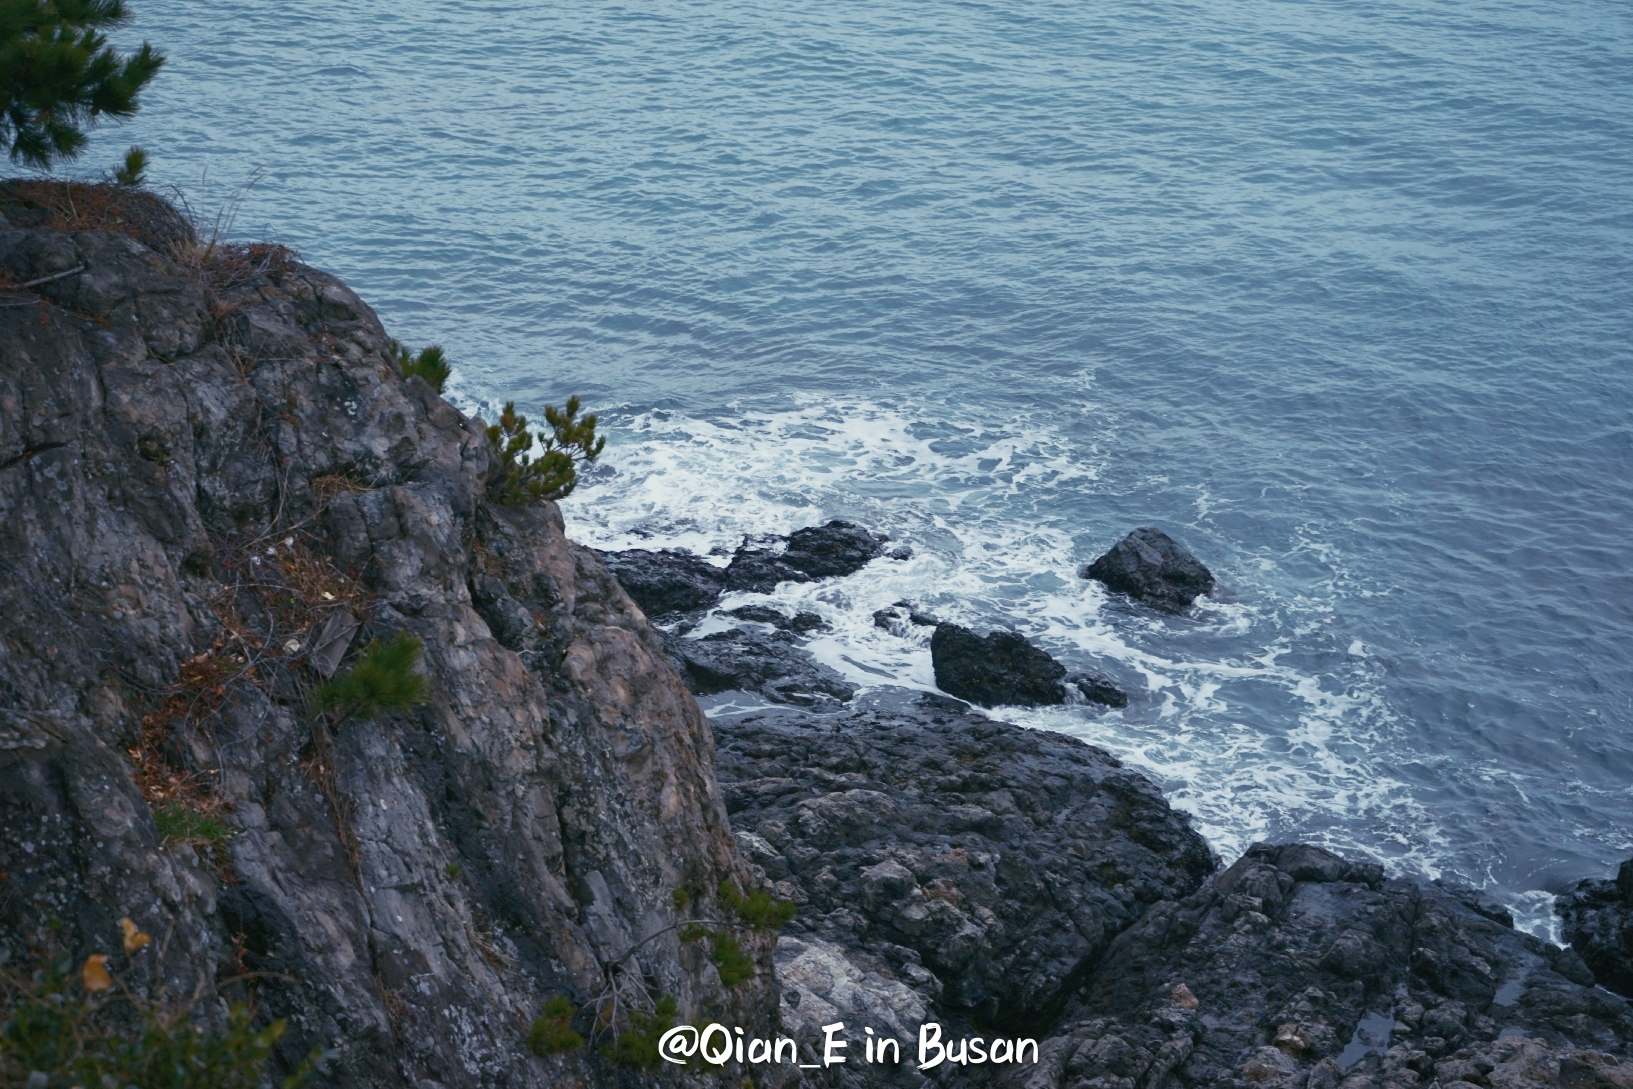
[1336, 293]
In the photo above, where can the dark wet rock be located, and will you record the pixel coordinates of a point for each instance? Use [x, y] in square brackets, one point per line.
[760, 569]
[764, 614]
[976, 865]
[1000, 669]
[1097, 689]
[670, 581]
[838, 548]
[1298, 967]
[1151, 567]
[1598, 917]
[902, 617]
[746, 661]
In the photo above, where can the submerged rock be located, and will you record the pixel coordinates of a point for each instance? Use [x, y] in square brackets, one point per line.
[1097, 689]
[1151, 567]
[670, 581]
[745, 661]
[901, 618]
[1598, 917]
[1004, 669]
[765, 614]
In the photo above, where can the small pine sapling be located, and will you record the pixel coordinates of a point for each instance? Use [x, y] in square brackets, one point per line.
[637, 1045]
[730, 961]
[383, 679]
[552, 1032]
[133, 174]
[522, 478]
[430, 364]
[758, 909]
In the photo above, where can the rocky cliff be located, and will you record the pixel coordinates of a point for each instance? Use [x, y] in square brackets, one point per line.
[216, 488]
[204, 460]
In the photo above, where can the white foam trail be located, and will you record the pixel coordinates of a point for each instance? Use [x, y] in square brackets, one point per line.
[1252, 747]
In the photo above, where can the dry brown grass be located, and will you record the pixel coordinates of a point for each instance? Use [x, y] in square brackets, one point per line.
[330, 486]
[227, 266]
[273, 598]
[89, 206]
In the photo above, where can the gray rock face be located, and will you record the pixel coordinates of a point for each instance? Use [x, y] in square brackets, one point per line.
[417, 883]
[1598, 918]
[1151, 567]
[1296, 968]
[983, 866]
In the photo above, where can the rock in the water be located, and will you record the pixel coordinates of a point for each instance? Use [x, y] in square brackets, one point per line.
[838, 548]
[670, 581]
[1151, 567]
[1098, 689]
[901, 618]
[978, 865]
[765, 614]
[745, 661]
[1598, 919]
[1002, 669]
[760, 570]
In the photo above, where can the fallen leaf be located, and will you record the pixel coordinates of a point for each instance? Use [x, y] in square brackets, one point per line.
[135, 938]
[95, 974]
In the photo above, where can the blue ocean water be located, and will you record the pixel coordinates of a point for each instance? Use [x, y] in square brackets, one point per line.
[1339, 294]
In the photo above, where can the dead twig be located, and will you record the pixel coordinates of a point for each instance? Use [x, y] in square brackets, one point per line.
[75, 271]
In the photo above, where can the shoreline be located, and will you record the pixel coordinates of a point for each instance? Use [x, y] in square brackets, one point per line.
[208, 464]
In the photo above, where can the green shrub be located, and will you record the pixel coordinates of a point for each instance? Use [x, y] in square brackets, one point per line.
[179, 824]
[58, 75]
[133, 172]
[52, 1026]
[758, 909]
[382, 679]
[553, 1031]
[554, 473]
[730, 961]
[637, 1045]
[430, 364]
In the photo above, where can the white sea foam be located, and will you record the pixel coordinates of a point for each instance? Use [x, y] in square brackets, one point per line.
[1251, 746]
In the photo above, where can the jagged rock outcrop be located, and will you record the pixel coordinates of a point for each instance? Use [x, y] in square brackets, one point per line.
[1295, 968]
[200, 463]
[670, 581]
[1004, 669]
[838, 548]
[945, 862]
[674, 581]
[1151, 567]
[1598, 918]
